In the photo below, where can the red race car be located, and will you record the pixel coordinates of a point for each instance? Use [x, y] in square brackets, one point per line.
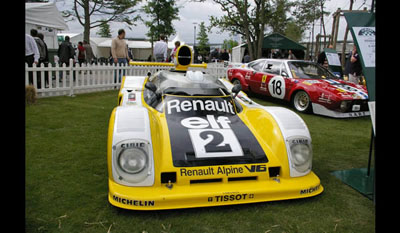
[307, 85]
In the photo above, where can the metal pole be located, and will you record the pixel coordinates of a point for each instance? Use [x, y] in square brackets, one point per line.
[194, 42]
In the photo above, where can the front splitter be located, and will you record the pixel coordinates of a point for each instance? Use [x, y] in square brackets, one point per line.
[202, 195]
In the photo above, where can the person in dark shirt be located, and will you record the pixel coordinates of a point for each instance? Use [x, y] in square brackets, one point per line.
[354, 66]
[214, 55]
[65, 51]
[225, 55]
[45, 60]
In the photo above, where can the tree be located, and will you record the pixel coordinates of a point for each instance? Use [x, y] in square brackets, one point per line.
[203, 47]
[161, 14]
[293, 31]
[306, 12]
[278, 15]
[246, 19]
[104, 30]
[93, 13]
[229, 44]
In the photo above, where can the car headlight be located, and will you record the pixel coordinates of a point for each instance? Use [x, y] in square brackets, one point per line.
[133, 163]
[132, 160]
[301, 154]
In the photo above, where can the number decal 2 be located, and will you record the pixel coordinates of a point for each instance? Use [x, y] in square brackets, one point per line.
[276, 87]
[216, 143]
[212, 143]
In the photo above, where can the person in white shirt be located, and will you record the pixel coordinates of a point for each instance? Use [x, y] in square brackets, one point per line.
[160, 50]
[32, 54]
[31, 50]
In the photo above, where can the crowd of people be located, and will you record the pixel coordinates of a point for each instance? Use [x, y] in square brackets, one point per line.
[36, 52]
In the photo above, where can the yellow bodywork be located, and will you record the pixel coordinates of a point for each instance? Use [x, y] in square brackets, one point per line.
[185, 193]
[234, 184]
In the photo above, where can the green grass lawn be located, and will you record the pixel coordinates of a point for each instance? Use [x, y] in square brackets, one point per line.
[66, 178]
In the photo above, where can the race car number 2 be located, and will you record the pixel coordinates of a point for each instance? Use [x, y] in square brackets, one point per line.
[276, 87]
[212, 137]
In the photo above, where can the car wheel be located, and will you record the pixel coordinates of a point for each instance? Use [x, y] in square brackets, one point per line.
[236, 81]
[301, 101]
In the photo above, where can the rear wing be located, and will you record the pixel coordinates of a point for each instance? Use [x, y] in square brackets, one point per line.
[182, 63]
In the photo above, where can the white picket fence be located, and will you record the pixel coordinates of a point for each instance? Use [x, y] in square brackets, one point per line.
[70, 80]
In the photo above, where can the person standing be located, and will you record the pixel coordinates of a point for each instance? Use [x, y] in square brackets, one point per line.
[214, 55]
[32, 54]
[246, 58]
[173, 53]
[65, 51]
[355, 68]
[160, 50]
[224, 55]
[45, 60]
[119, 51]
[88, 52]
[291, 56]
[81, 53]
[40, 45]
[42, 51]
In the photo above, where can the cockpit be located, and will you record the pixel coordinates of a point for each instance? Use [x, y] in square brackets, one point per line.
[189, 83]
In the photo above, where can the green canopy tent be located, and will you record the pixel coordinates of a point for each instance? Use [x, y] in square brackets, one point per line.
[278, 41]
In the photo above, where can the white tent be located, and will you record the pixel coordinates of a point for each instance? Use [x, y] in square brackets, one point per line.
[47, 19]
[44, 14]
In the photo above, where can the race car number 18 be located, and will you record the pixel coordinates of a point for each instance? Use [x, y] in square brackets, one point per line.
[217, 141]
[276, 87]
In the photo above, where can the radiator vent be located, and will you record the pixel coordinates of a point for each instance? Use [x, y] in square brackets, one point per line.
[202, 181]
[242, 178]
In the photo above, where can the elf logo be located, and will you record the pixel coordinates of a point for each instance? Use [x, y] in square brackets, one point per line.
[256, 168]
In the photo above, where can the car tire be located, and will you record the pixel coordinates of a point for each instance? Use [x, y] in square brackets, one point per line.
[301, 102]
[236, 81]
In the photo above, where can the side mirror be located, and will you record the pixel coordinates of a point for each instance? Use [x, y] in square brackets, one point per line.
[235, 90]
[151, 86]
[284, 74]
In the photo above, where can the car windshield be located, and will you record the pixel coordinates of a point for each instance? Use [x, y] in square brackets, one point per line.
[195, 84]
[309, 70]
[257, 65]
[170, 83]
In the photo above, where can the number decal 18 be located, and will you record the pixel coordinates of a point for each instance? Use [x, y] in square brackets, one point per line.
[276, 87]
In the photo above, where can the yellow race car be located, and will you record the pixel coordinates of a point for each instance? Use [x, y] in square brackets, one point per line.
[181, 138]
